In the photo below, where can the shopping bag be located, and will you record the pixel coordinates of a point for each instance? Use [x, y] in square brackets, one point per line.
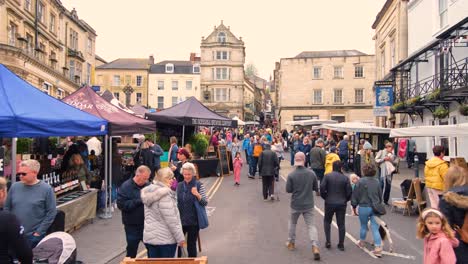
[202, 216]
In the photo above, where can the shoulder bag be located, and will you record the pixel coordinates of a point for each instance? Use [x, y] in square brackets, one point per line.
[377, 207]
[201, 212]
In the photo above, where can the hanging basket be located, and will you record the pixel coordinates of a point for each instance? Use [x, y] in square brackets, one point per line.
[463, 109]
[397, 107]
[434, 95]
[441, 112]
[413, 101]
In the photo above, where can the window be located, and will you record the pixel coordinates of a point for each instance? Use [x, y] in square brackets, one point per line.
[358, 71]
[169, 68]
[188, 85]
[174, 100]
[175, 85]
[72, 70]
[60, 93]
[116, 80]
[338, 96]
[139, 80]
[338, 72]
[40, 12]
[317, 96]
[317, 72]
[117, 95]
[221, 55]
[53, 60]
[160, 85]
[222, 74]
[382, 63]
[222, 37]
[12, 30]
[46, 87]
[221, 94]
[88, 73]
[52, 23]
[128, 79]
[392, 54]
[27, 5]
[160, 102]
[78, 72]
[443, 13]
[138, 97]
[359, 96]
[30, 43]
[73, 39]
[196, 68]
[89, 46]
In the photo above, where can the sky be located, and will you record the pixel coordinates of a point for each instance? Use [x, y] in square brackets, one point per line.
[270, 29]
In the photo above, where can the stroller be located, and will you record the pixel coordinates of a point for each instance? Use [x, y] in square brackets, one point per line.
[56, 248]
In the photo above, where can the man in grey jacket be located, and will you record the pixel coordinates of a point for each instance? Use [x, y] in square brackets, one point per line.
[302, 183]
[267, 166]
[317, 159]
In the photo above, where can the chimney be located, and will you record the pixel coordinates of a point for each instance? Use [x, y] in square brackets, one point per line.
[151, 60]
[194, 57]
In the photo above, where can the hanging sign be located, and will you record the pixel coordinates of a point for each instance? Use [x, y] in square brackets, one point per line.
[383, 96]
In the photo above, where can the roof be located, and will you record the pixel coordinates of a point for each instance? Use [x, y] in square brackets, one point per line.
[330, 53]
[99, 58]
[180, 67]
[129, 64]
[381, 13]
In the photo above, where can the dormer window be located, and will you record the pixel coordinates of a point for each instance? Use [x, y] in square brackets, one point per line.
[222, 37]
[196, 68]
[169, 68]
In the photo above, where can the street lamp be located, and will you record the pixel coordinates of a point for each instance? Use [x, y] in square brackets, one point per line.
[128, 90]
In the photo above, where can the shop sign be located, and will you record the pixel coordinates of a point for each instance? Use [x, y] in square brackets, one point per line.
[211, 122]
[2, 154]
[383, 96]
[380, 111]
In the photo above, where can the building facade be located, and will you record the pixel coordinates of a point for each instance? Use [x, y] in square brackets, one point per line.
[431, 85]
[171, 82]
[126, 76]
[47, 45]
[222, 72]
[333, 85]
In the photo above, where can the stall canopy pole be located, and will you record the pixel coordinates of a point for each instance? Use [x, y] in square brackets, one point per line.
[106, 177]
[183, 135]
[13, 159]
[110, 176]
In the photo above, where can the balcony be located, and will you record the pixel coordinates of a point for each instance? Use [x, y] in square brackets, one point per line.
[75, 54]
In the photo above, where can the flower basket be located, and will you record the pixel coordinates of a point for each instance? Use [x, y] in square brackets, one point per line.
[463, 109]
[440, 112]
[413, 101]
[434, 95]
[397, 107]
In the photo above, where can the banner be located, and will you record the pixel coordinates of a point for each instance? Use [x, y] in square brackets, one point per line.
[383, 96]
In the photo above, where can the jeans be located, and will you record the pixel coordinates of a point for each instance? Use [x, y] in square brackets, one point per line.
[192, 237]
[133, 234]
[267, 186]
[253, 166]
[386, 185]
[34, 240]
[308, 219]
[161, 251]
[247, 157]
[340, 211]
[366, 214]
[292, 157]
[344, 159]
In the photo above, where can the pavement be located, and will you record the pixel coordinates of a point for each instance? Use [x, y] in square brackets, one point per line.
[245, 229]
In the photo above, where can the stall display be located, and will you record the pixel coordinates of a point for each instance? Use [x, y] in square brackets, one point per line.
[79, 207]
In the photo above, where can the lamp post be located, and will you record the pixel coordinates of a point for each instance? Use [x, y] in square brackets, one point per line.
[128, 90]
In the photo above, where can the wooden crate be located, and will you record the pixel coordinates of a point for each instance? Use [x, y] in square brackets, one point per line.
[199, 260]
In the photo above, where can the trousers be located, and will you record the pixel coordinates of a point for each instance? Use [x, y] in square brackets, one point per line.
[133, 235]
[340, 212]
[192, 237]
[161, 251]
[366, 214]
[308, 219]
[267, 185]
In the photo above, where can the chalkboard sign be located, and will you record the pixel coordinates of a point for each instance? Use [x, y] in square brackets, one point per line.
[223, 159]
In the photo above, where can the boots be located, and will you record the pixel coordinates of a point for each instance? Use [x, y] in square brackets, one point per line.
[290, 245]
[316, 252]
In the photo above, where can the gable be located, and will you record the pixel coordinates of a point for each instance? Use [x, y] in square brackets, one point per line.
[230, 37]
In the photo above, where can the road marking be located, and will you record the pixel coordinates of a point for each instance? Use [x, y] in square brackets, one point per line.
[215, 189]
[213, 186]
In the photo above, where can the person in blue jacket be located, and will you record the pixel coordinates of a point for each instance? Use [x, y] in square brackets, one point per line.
[305, 148]
[245, 146]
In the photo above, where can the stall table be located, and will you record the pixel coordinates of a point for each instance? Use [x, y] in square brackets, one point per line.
[80, 208]
[206, 167]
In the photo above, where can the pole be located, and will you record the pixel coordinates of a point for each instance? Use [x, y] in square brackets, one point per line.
[13, 159]
[110, 176]
[183, 135]
[105, 215]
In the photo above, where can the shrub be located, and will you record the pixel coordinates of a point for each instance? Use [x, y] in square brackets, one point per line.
[199, 144]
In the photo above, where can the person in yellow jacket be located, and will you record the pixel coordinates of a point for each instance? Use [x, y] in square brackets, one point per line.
[434, 174]
[330, 158]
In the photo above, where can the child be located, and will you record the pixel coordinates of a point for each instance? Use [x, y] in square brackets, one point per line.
[354, 180]
[438, 236]
[237, 168]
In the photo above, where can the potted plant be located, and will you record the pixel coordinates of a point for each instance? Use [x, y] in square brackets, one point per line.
[441, 112]
[434, 95]
[397, 106]
[413, 101]
[199, 145]
[463, 109]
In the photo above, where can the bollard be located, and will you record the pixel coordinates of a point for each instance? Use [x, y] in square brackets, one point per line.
[416, 166]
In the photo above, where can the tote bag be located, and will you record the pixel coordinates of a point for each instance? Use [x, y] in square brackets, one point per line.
[201, 213]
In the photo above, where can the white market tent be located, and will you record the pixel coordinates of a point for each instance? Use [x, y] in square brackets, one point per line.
[251, 123]
[311, 122]
[239, 122]
[459, 130]
[356, 127]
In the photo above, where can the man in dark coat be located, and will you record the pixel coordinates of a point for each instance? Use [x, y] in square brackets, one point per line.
[267, 165]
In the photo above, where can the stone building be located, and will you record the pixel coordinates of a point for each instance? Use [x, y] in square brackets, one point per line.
[56, 54]
[123, 76]
[333, 85]
[171, 82]
[222, 72]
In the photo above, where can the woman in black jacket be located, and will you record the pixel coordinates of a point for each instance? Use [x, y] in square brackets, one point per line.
[454, 205]
[183, 156]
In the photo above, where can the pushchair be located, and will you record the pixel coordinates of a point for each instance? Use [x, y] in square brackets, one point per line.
[56, 248]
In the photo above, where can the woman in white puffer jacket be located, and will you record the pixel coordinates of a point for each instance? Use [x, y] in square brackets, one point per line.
[163, 229]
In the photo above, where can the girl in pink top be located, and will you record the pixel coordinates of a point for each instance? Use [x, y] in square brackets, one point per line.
[439, 239]
[237, 168]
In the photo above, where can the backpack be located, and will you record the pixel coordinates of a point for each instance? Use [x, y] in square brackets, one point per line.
[257, 150]
[463, 231]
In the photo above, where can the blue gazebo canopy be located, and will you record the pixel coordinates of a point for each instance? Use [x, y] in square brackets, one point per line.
[25, 111]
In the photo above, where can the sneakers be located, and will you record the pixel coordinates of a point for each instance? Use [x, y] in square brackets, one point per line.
[361, 244]
[328, 245]
[340, 247]
[265, 200]
[290, 245]
[272, 197]
[378, 252]
[316, 252]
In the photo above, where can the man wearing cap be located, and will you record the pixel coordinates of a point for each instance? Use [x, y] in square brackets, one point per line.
[302, 183]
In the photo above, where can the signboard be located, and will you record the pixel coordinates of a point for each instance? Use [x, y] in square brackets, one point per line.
[383, 96]
[96, 88]
[223, 156]
[211, 122]
[380, 111]
[2, 166]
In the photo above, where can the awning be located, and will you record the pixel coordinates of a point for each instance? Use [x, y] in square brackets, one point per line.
[239, 122]
[356, 127]
[460, 130]
[311, 122]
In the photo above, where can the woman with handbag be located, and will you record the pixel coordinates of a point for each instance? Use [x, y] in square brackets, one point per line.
[454, 205]
[368, 196]
[191, 201]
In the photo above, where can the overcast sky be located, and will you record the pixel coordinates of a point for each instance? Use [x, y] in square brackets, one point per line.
[271, 29]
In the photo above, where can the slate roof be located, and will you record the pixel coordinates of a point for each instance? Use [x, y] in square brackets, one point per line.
[330, 53]
[128, 64]
[180, 67]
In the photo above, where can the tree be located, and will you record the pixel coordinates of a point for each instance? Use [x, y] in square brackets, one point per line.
[251, 70]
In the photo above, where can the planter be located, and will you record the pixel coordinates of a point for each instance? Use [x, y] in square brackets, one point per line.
[440, 112]
[397, 107]
[463, 109]
[413, 101]
[434, 95]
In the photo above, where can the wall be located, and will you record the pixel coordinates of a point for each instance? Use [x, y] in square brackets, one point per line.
[168, 93]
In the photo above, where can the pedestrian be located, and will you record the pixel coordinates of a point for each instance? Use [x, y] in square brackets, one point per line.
[189, 192]
[256, 151]
[294, 146]
[78, 170]
[388, 162]
[237, 168]
[32, 201]
[434, 174]
[366, 193]
[336, 190]
[367, 156]
[411, 150]
[454, 205]
[214, 141]
[148, 157]
[305, 148]
[133, 212]
[173, 150]
[267, 167]
[245, 147]
[354, 179]
[162, 229]
[183, 156]
[330, 158]
[439, 240]
[343, 148]
[302, 183]
[250, 157]
[13, 243]
[317, 159]
[157, 153]
[235, 148]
